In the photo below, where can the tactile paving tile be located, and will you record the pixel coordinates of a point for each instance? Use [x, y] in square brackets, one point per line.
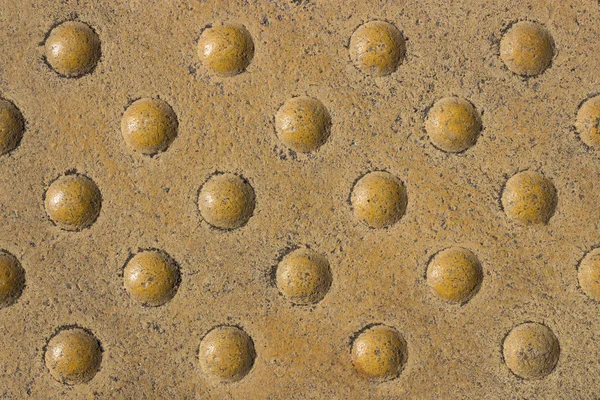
[299, 199]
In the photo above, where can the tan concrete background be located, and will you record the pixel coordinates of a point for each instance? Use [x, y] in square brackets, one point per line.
[226, 124]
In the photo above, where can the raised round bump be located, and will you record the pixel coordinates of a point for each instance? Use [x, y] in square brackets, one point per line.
[73, 356]
[531, 350]
[453, 124]
[303, 276]
[151, 277]
[226, 49]
[588, 274]
[527, 48]
[226, 201]
[303, 124]
[379, 353]
[73, 202]
[377, 48]
[588, 122]
[12, 126]
[149, 126]
[454, 274]
[72, 49]
[12, 279]
[226, 354]
[379, 199]
[529, 198]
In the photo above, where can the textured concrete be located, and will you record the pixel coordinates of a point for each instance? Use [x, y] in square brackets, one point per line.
[226, 124]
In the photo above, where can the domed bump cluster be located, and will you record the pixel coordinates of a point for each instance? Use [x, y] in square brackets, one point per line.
[379, 353]
[12, 126]
[587, 122]
[12, 279]
[454, 274]
[72, 49]
[226, 201]
[531, 350]
[377, 48]
[529, 198]
[149, 126]
[73, 201]
[226, 49]
[303, 276]
[303, 124]
[73, 355]
[151, 277]
[588, 274]
[379, 199]
[527, 48]
[453, 124]
[226, 354]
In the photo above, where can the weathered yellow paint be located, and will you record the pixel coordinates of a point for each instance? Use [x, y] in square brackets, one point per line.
[151, 278]
[304, 276]
[453, 124]
[529, 198]
[73, 202]
[379, 353]
[226, 354]
[73, 356]
[527, 48]
[454, 274]
[72, 48]
[588, 122]
[531, 350]
[379, 199]
[226, 49]
[12, 279]
[377, 48]
[589, 274]
[226, 201]
[149, 126]
[303, 124]
[11, 126]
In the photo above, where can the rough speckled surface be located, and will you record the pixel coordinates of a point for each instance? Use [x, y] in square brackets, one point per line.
[149, 49]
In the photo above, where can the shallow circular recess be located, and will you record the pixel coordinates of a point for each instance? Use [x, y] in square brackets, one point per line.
[377, 48]
[226, 201]
[226, 354]
[527, 48]
[454, 274]
[304, 276]
[151, 277]
[12, 126]
[149, 126]
[379, 353]
[303, 124]
[529, 198]
[226, 49]
[73, 202]
[12, 279]
[588, 122]
[73, 356]
[531, 350]
[72, 49]
[589, 274]
[379, 199]
[453, 124]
